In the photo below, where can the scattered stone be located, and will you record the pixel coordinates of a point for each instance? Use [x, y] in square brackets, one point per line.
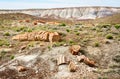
[21, 68]
[89, 62]
[72, 67]
[80, 58]
[42, 44]
[86, 60]
[27, 21]
[11, 45]
[62, 60]
[23, 47]
[74, 49]
[35, 23]
[107, 41]
[6, 49]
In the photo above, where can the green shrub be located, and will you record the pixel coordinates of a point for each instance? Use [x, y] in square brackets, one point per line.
[31, 44]
[96, 44]
[7, 34]
[4, 42]
[12, 57]
[67, 30]
[49, 47]
[2, 53]
[71, 41]
[77, 33]
[29, 30]
[62, 24]
[93, 28]
[18, 29]
[109, 36]
[117, 26]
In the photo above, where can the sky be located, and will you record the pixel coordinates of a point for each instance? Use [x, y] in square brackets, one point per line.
[30, 4]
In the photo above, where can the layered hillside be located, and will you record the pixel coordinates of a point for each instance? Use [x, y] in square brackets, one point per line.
[76, 13]
[114, 19]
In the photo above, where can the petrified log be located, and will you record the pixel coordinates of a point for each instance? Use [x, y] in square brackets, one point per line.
[38, 36]
[86, 60]
[74, 49]
[61, 60]
[72, 67]
[89, 62]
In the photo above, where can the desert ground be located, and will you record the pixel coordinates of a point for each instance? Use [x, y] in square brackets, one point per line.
[99, 41]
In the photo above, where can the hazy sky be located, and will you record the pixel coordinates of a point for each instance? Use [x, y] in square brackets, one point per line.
[22, 4]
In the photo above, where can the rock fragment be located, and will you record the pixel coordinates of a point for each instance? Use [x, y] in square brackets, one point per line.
[72, 67]
[62, 60]
[21, 68]
[86, 60]
[74, 49]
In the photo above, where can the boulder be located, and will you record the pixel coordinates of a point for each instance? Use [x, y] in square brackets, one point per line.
[74, 49]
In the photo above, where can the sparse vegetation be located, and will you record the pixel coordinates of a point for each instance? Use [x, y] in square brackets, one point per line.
[109, 36]
[77, 33]
[4, 42]
[31, 44]
[62, 24]
[12, 57]
[3, 53]
[96, 44]
[68, 30]
[91, 39]
[7, 34]
[49, 47]
[117, 26]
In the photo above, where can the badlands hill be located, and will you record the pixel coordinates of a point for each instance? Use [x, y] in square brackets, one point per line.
[76, 13]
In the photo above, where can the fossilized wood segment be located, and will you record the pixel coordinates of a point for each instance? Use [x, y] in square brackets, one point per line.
[74, 49]
[89, 62]
[38, 36]
[86, 60]
[62, 60]
[72, 67]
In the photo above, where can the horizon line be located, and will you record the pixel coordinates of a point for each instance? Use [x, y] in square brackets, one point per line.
[59, 7]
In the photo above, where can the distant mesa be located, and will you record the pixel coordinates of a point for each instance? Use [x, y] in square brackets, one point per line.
[76, 13]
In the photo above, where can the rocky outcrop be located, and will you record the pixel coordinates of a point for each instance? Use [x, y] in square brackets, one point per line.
[38, 36]
[78, 13]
